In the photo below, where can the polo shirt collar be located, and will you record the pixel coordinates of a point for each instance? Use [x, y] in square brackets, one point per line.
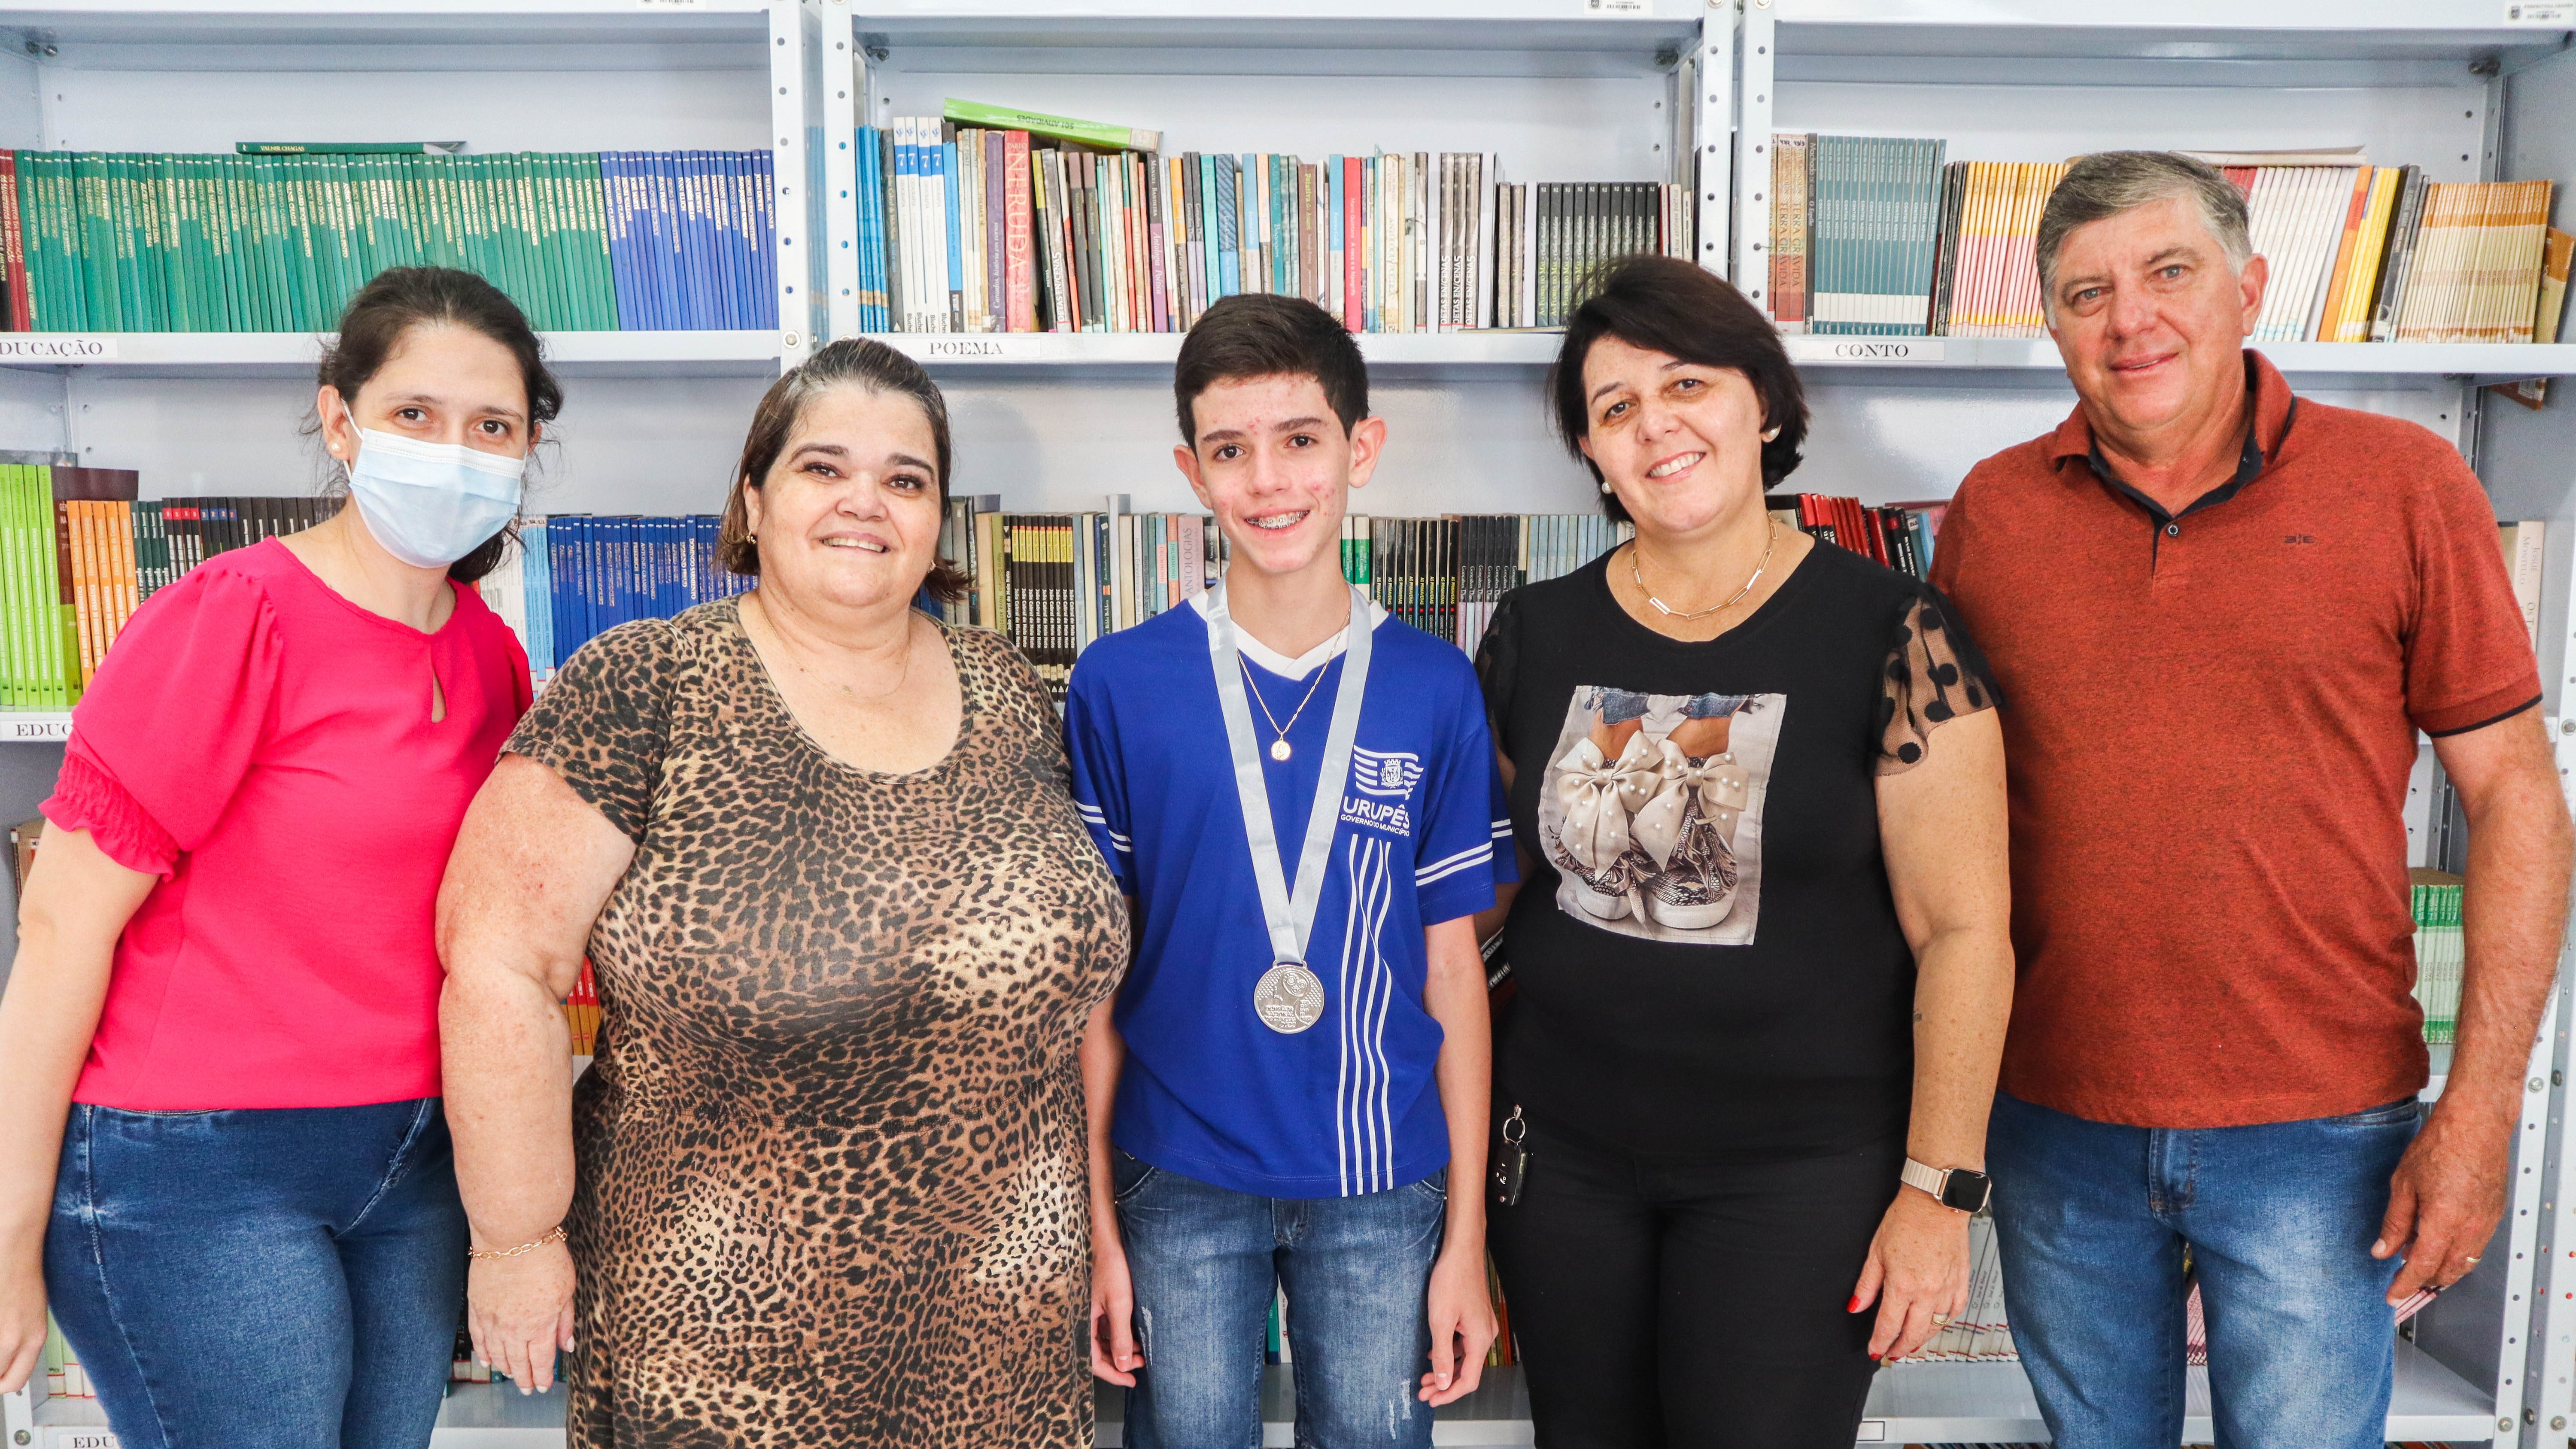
[2275, 409]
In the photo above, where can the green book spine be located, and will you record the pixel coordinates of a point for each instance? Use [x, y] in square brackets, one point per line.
[518, 233]
[21, 690]
[397, 238]
[184, 227]
[236, 303]
[55, 681]
[96, 244]
[535, 169]
[587, 243]
[446, 178]
[257, 304]
[339, 250]
[142, 264]
[349, 218]
[305, 231]
[1089, 133]
[471, 243]
[277, 223]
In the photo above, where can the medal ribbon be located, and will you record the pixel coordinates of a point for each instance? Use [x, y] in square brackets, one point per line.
[1290, 916]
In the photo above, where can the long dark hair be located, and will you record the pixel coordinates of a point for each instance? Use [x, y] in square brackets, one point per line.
[850, 362]
[402, 298]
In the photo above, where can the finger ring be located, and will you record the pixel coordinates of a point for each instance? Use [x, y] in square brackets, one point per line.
[1940, 1320]
[2472, 1260]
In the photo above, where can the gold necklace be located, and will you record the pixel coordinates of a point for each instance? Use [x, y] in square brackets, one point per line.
[1279, 747]
[1770, 537]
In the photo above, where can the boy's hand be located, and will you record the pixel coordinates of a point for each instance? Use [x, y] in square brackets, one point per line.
[1113, 1313]
[1462, 1324]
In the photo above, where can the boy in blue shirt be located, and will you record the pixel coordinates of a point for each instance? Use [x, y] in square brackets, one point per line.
[1301, 799]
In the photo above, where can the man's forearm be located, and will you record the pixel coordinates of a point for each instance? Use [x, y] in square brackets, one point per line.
[2514, 914]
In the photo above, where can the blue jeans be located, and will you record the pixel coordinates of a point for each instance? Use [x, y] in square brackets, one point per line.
[281, 1278]
[2093, 1220]
[1206, 1261]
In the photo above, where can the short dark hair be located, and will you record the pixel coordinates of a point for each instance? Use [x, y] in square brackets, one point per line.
[1262, 334]
[1668, 305]
[387, 308]
[851, 362]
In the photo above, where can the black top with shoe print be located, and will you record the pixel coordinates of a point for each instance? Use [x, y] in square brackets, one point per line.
[1706, 951]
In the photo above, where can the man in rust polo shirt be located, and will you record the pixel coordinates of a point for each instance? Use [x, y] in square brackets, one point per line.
[2220, 614]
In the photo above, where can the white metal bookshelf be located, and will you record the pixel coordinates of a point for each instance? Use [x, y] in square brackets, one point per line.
[653, 419]
[1564, 90]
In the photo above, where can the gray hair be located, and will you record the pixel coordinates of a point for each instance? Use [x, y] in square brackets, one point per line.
[2107, 183]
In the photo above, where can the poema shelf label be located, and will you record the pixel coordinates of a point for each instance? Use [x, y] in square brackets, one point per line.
[2540, 12]
[988, 347]
[1882, 350]
[56, 347]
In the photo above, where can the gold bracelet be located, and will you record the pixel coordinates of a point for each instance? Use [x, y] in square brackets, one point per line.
[553, 1235]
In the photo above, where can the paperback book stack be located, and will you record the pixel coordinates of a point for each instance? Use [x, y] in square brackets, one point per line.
[2440, 952]
[575, 575]
[1873, 234]
[583, 241]
[1853, 235]
[984, 219]
[581, 1011]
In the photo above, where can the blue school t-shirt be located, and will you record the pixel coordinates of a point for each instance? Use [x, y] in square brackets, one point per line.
[1349, 1105]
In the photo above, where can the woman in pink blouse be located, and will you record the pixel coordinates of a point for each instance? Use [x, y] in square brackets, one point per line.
[222, 1153]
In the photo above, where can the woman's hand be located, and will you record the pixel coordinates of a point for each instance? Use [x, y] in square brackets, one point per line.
[519, 1311]
[1113, 1312]
[1462, 1323]
[22, 1314]
[1917, 1266]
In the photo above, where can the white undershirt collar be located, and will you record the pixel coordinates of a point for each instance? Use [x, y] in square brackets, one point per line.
[1304, 664]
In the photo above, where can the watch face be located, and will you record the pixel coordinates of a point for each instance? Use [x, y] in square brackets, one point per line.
[1967, 1191]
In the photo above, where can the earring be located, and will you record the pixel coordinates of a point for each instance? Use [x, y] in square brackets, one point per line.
[1770, 434]
[1607, 490]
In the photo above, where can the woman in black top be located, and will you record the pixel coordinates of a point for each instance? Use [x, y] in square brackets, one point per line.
[1761, 952]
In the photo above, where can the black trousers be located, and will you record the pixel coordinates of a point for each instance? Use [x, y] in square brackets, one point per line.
[1691, 1302]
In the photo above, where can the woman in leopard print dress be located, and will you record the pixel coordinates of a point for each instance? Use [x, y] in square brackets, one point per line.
[824, 1183]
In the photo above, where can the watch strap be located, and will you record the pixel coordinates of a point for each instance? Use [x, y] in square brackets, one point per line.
[1930, 1179]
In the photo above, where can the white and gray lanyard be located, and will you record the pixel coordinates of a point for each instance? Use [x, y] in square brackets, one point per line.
[1289, 998]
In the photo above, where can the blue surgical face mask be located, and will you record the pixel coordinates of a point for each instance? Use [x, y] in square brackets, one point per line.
[431, 504]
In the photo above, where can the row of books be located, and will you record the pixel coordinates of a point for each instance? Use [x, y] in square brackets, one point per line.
[1883, 235]
[1898, 535]
[576, 575]
[1055, 582]
[583, 241]
[984, 220]
[60, 1367]
[2441, 952]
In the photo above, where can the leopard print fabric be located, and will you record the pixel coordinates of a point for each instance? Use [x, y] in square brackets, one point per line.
[830, 1181]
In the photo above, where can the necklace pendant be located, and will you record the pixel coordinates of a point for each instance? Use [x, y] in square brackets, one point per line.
[1279, 750]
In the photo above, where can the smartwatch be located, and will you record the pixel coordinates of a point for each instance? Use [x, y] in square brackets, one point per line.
[1955, 1187]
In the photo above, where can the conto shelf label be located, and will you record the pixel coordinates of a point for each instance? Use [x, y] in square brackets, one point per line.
[56, 347]
[1882, 350]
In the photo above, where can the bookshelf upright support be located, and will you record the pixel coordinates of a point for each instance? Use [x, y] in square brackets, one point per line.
[1750, 267]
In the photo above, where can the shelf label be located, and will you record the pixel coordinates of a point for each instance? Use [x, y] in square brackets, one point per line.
[1629, 7]
[1869, 349]
[2540, 12]
[83, 1439]
[39, 728]
[1872, 1431]
[56, 347]
[987, 347]
[666, 4]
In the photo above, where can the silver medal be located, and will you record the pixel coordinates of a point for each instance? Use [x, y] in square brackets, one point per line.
[1289, 998]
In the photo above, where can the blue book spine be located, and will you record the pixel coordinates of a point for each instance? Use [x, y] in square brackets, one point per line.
[666, 249]
[563, 616]
[632, 600]
[621, 260]
[871, 201]
[646, 239]
[536, 586]
[1228, 222]
[746, 285]
[706, 302]
[724, 225]
[763, 220]
[674, 590]
[956, 257]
